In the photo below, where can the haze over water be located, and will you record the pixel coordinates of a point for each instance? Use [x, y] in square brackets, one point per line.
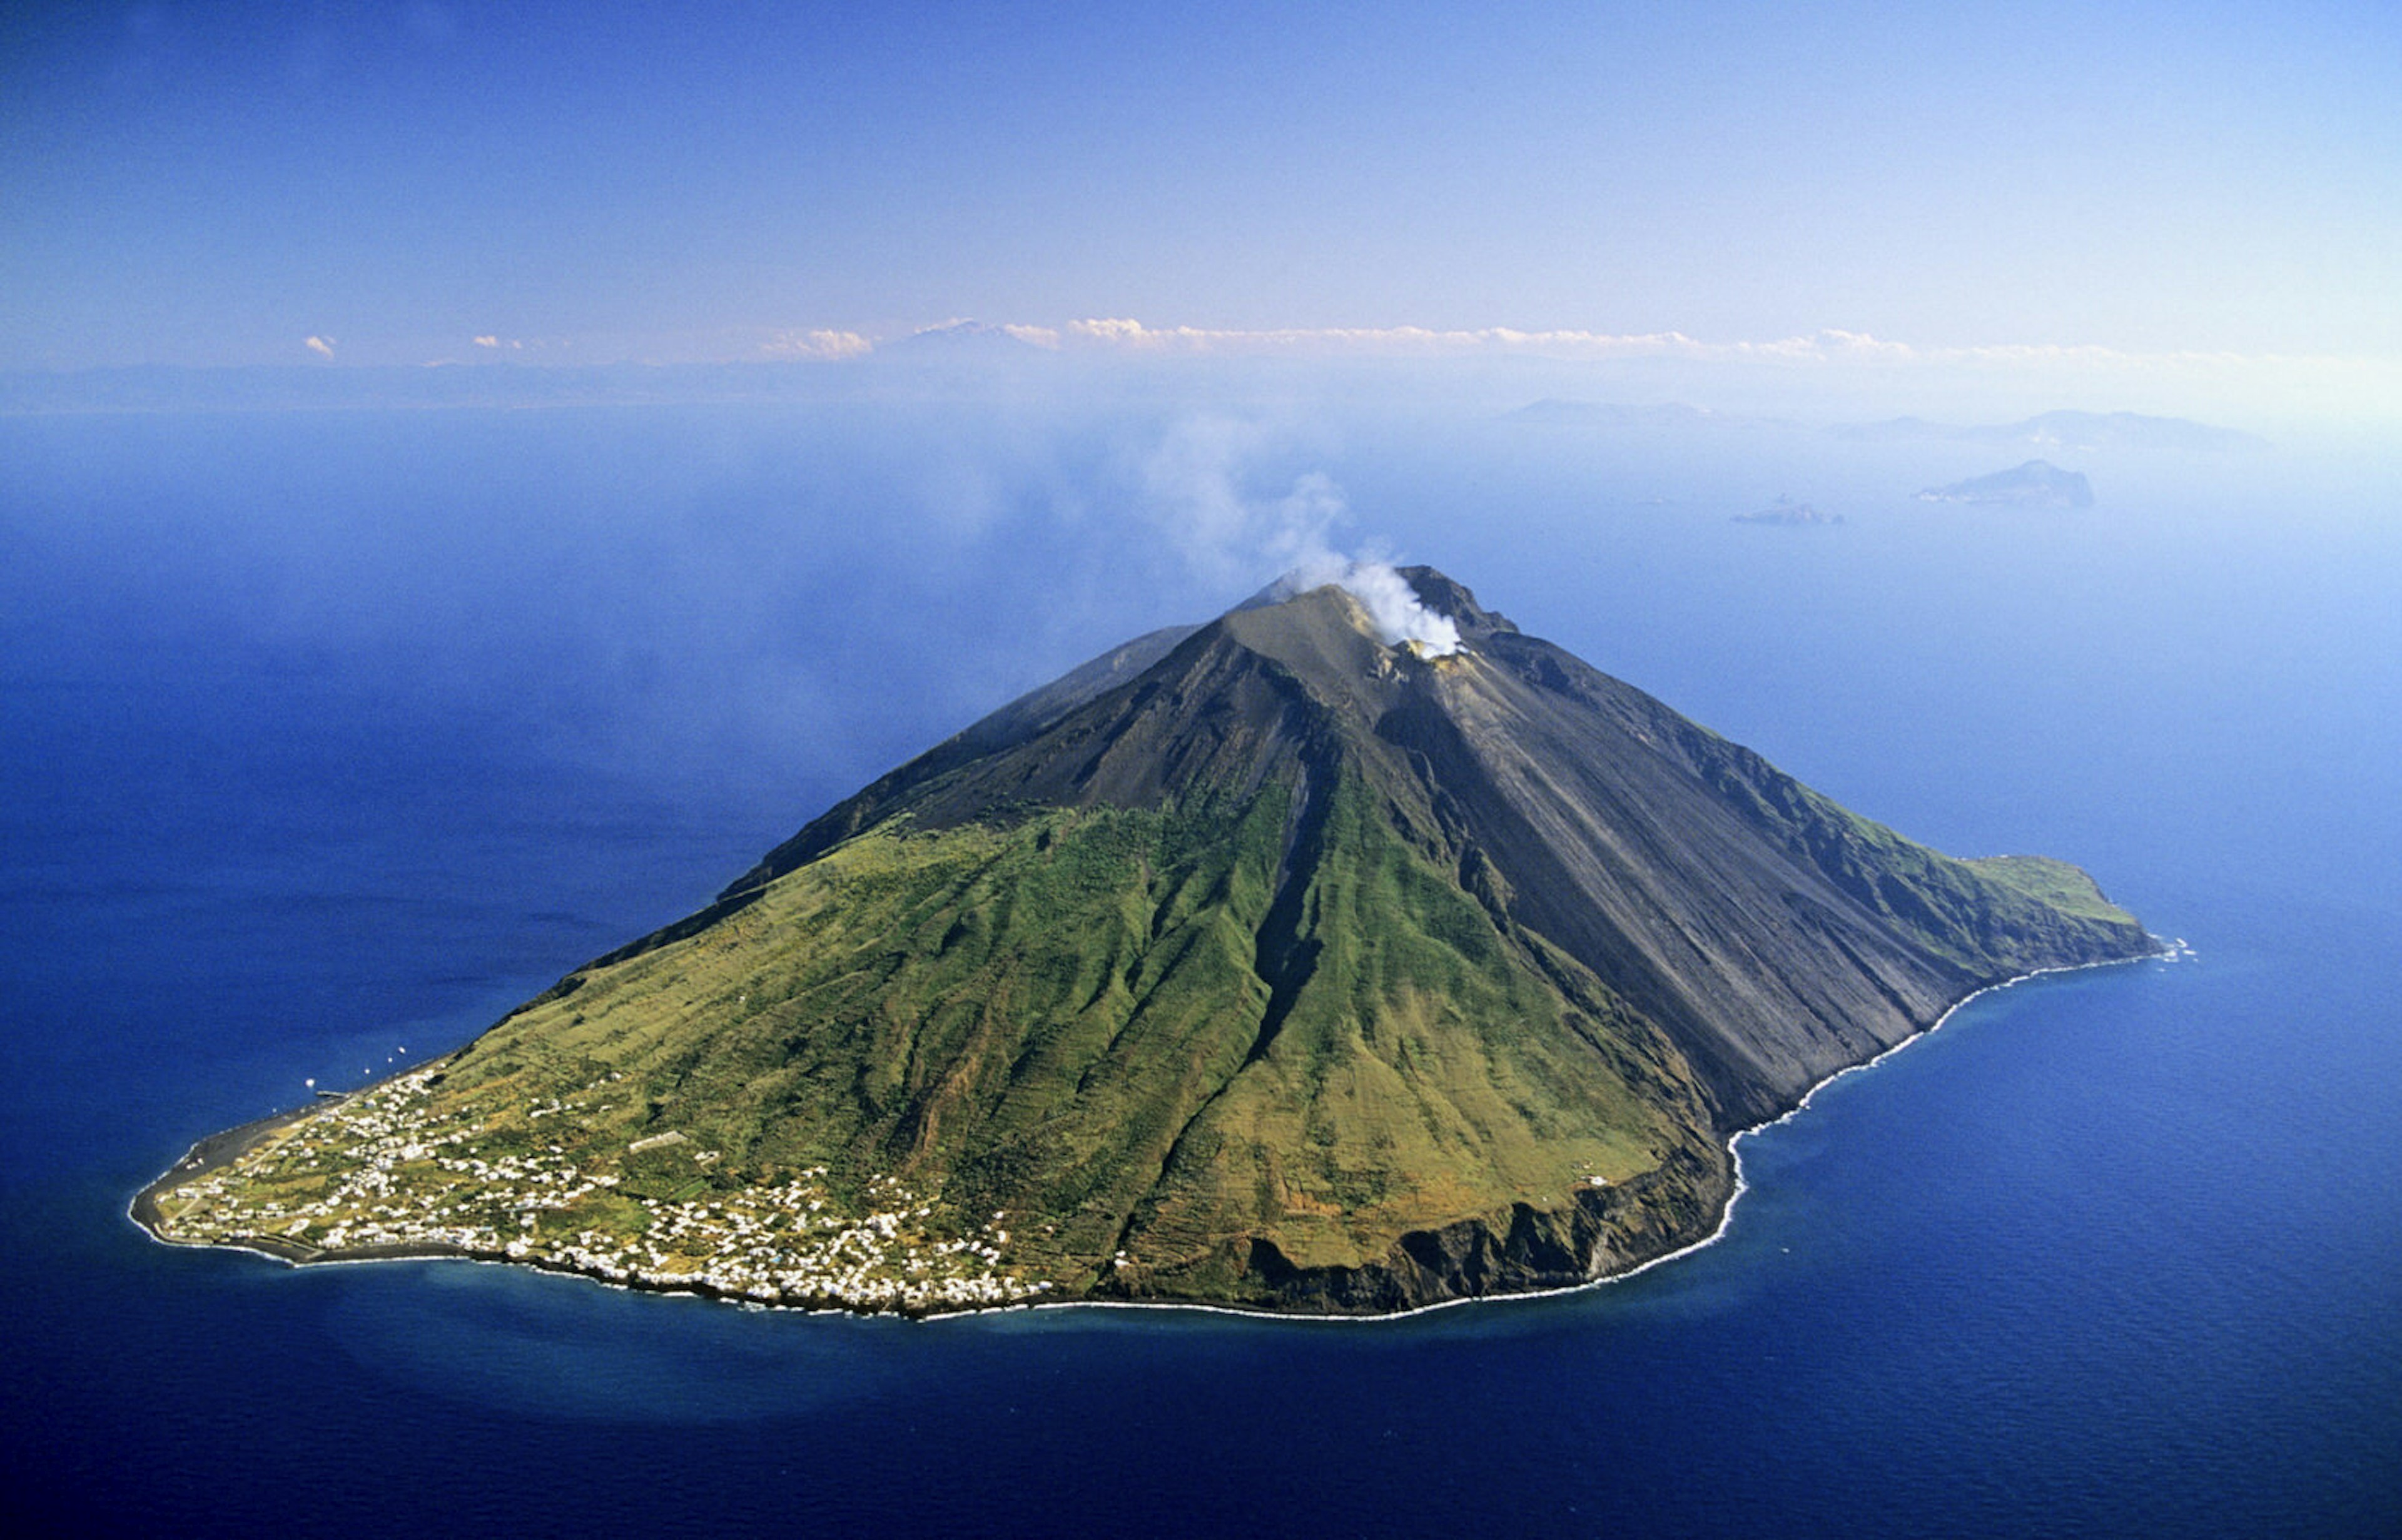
[332, 733]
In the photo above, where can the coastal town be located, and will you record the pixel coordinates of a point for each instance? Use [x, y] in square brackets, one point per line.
[382, 1173]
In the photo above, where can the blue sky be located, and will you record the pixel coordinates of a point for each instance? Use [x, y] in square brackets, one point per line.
[218, 184]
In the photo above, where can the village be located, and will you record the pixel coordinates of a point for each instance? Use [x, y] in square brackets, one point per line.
[381, 1173]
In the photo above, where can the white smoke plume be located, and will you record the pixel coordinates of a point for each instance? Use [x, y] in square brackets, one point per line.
[1194, 487]
[1399, 614]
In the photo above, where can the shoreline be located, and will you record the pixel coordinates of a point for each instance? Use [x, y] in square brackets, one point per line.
[211, 1153]
[223, 1148]
[2167, 951]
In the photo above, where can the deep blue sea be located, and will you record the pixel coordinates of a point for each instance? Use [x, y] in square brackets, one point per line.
[328, 737]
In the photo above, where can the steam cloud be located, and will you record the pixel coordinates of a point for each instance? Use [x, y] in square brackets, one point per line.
[1399, 614]
[1195, 491]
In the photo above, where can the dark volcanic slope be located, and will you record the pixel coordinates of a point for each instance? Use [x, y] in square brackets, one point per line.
[1777, 937]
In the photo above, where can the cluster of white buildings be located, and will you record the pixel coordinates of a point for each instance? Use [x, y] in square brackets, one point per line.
[777, 1243]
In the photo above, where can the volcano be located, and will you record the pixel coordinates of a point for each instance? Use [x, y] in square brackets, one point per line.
[1273, 963]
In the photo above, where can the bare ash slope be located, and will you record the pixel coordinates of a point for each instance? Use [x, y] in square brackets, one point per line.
[1263, 964]
[1779, 937]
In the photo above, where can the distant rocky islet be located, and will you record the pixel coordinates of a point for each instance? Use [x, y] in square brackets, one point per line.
[2035, 484]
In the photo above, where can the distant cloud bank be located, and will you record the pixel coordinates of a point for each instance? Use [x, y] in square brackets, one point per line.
[1127, 334]
[821, 344]
[1828, 375]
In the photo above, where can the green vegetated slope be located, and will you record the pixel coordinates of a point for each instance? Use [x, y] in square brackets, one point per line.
[1074, 1019]
[1263, 963]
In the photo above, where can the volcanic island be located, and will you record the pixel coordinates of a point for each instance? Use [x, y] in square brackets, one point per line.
[1350, 954]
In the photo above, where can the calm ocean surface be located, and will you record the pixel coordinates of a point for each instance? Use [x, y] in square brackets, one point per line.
[322, 738]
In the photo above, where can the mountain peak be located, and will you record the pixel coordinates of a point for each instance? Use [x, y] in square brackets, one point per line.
[1271, 962]
[1447, 597]
[1416, 606]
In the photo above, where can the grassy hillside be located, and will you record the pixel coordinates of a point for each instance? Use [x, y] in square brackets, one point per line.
[1139, 1042]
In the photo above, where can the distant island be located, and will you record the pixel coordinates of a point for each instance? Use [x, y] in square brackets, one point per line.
[2036, 483]
[1350, 954]
[1786, 510]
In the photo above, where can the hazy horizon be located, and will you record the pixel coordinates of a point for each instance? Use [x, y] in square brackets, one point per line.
[2159, 209]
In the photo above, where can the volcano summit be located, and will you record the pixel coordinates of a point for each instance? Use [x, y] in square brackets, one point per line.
[1273, 963]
